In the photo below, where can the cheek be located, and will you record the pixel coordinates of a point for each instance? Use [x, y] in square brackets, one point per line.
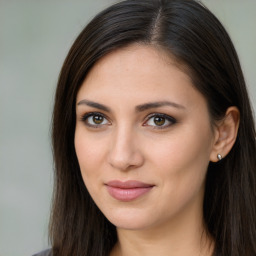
[177, 152]
[183, 158]
[182, 166]
[88, 154]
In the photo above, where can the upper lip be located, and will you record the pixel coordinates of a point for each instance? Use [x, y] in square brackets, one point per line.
[128, 184]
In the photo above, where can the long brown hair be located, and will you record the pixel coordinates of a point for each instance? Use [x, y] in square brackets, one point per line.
[194, 37]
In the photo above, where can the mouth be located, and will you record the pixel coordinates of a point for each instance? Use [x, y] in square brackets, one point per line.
[128, 190]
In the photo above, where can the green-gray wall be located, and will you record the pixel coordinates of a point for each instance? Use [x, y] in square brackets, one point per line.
[35, 36]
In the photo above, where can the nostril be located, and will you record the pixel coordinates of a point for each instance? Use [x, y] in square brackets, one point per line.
[124, 153]
[126, 159]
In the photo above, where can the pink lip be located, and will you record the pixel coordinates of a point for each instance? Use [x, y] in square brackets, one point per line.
[128, 190]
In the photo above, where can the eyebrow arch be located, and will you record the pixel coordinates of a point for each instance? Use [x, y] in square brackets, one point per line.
[94, 105]
[150, 105]
[139, 108]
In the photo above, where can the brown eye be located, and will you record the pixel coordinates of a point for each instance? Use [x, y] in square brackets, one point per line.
[159, 121]
[98, 119]
[95, 120]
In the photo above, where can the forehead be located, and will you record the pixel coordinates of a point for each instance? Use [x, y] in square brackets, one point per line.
[140, 72]
[145, 56]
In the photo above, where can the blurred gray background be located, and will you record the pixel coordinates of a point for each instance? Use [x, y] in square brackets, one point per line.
[35, 36]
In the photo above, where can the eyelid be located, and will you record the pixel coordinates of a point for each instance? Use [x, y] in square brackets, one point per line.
[85, 117]
[169, 118]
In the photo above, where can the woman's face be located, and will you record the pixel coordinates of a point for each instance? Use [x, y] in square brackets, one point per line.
[143, 139]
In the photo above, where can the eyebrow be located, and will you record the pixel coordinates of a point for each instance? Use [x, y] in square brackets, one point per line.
[158, 104]
[139, 108]
[94, 105]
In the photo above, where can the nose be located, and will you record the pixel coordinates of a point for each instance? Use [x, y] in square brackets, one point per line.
[124, 153]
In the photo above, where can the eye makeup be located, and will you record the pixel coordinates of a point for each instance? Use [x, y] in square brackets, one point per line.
[94, 119]
[159, 121]
[153, 120]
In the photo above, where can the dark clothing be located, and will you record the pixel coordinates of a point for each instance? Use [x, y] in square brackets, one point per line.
[44, 253]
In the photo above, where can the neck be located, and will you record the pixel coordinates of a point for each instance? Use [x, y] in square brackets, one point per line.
[137, 243]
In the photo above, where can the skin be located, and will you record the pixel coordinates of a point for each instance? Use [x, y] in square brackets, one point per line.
[129, 144]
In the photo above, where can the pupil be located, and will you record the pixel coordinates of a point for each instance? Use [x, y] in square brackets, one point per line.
[159, 120]
[97, 119]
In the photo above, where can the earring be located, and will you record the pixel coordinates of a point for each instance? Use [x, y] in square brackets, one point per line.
[219, 156]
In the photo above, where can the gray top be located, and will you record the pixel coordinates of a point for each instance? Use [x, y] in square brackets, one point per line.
[44, 253]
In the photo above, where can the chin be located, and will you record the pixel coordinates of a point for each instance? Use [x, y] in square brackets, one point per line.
[130, 224]
[130, 219]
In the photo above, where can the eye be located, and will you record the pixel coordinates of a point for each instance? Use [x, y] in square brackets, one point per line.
[95, 119]
[159, 121]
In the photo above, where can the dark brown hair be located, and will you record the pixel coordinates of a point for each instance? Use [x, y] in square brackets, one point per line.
[194, 37]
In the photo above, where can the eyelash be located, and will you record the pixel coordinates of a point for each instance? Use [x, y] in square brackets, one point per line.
[86, 116]
[167, 118]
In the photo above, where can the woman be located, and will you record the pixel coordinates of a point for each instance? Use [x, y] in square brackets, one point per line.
[153, 137]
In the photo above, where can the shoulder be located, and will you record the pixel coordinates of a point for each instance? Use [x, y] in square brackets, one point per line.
[47, 252]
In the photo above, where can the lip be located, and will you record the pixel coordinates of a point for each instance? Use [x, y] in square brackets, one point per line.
[127, 190]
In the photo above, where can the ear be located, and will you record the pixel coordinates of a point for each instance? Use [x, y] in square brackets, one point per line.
[225, 134]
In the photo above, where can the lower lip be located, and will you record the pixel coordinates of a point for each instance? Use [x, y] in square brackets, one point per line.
[127, 194]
